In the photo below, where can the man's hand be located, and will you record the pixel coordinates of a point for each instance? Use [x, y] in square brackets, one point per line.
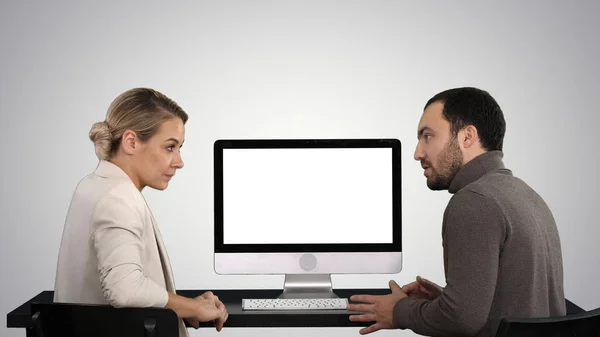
[422, 289]
[377, 308]
[212, 298]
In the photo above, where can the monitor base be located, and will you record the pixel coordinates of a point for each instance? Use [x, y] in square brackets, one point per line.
[307, 286]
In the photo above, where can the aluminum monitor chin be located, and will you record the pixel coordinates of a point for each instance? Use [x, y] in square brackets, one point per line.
[307, 208]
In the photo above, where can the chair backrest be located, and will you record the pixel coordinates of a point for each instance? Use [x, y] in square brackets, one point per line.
[75, 320]
[581, 324]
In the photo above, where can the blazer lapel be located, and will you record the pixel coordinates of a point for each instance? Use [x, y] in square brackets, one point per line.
[164, 257]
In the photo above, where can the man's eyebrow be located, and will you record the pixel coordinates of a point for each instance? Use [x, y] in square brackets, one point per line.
[422, 130]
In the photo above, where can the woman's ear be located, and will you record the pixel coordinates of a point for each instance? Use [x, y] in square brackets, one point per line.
[129, 142]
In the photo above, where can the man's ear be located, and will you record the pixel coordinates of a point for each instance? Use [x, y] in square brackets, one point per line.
[470, 136]
[129, 142]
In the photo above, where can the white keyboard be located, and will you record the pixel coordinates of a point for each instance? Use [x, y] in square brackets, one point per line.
[295, 304]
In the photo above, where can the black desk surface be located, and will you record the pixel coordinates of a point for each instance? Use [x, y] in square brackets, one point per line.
[21, 316]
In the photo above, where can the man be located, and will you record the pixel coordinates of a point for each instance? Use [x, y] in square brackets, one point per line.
[502, 253]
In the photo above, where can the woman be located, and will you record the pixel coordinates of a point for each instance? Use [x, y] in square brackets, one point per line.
[112, 250]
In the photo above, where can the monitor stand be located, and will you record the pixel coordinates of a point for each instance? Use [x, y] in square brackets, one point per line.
[307, 286]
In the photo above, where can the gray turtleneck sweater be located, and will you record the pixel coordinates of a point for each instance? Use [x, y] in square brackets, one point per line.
[502, 256]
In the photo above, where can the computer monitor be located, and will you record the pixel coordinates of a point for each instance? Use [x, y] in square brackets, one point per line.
[306, 209]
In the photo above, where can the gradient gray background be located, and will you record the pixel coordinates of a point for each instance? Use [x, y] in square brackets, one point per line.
[262, 69]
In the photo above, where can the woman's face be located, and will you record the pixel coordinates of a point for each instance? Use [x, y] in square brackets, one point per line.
[160, 156]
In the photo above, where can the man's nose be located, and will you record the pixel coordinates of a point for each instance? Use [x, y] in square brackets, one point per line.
[419, 153]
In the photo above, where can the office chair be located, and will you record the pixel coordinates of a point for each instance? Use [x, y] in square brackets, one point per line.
[78, 320]
[585, 324]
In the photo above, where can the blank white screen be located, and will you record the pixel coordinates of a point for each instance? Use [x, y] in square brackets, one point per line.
[283, 196]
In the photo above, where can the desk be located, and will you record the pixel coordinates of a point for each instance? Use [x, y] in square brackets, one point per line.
[21, 316]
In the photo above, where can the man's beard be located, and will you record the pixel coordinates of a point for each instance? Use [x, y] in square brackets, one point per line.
[449, 163]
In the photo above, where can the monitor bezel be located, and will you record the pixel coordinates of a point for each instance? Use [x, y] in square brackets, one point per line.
[222, 144]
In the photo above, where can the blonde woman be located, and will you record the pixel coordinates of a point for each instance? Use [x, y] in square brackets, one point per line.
[112, 251]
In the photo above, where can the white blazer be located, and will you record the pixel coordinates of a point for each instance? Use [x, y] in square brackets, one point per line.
[112, 251]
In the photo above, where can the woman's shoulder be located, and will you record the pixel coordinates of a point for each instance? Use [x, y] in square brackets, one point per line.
[122, 191]
[94, 188]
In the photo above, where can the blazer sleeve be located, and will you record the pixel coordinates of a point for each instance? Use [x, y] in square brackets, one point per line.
[117, 240]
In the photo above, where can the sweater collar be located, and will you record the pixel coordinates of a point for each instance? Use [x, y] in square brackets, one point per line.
[476, 168]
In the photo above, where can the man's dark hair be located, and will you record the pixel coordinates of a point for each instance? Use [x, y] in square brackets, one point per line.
[472, 106]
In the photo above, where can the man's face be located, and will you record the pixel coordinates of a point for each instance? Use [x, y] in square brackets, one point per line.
[437, 150]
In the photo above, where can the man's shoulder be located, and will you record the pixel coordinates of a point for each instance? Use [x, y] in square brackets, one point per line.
[493, 190]
[467, 198]
[496, 183]
[472, 208]
[484, 192]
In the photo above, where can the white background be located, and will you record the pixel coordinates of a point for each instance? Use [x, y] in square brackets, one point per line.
[291, 69]
[279, 196]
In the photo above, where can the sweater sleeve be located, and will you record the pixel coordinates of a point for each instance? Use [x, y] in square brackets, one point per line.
[117, 238]
[472, 240]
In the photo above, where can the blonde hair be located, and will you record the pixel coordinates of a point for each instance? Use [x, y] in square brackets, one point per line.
[141, 110]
